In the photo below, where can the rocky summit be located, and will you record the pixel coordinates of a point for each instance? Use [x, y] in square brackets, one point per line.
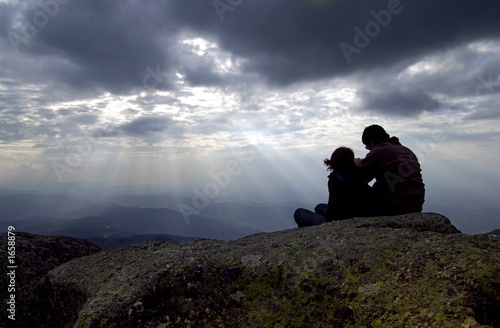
[413, 270]
[26, 258]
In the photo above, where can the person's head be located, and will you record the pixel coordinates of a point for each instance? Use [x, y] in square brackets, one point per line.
[342, 159]
[373, 135]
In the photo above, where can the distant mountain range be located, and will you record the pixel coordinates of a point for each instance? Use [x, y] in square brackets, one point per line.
[110, 224]
[22, 205]
[106, 220]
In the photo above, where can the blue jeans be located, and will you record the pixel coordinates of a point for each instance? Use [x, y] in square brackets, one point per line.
[306, 218]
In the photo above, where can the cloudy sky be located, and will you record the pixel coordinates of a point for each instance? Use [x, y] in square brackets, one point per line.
[156, 95]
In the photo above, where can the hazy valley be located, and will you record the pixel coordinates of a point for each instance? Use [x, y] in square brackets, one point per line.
[126, 219]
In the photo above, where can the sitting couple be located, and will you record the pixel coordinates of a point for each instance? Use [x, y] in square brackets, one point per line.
[398, 187]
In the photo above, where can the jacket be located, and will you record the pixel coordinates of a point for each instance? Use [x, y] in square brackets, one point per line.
[348, 195]
[397, 173]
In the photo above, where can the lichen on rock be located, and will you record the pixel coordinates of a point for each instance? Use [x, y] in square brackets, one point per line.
[408, 270]
[35, 256]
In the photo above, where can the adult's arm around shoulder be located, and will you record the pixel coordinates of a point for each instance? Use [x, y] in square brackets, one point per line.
[368, 166]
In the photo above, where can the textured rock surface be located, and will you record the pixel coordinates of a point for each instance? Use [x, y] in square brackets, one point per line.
[410, 270]
[34, 257]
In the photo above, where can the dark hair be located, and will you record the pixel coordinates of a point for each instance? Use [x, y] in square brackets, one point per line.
[374, 133]
[342, 159]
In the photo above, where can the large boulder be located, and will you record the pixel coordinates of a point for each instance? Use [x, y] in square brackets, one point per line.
[31, 258]
[400, 271]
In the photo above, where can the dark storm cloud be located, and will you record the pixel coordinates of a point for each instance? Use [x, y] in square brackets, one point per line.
[5, 18]
[294, 40]
[83, 119]
[461, 72]
[487, 80]
[132, 46]
[145, 126]
[487, 110]
[118, 45]
[106, 45]
[201, 76]
[398, 102]
[141, 127]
